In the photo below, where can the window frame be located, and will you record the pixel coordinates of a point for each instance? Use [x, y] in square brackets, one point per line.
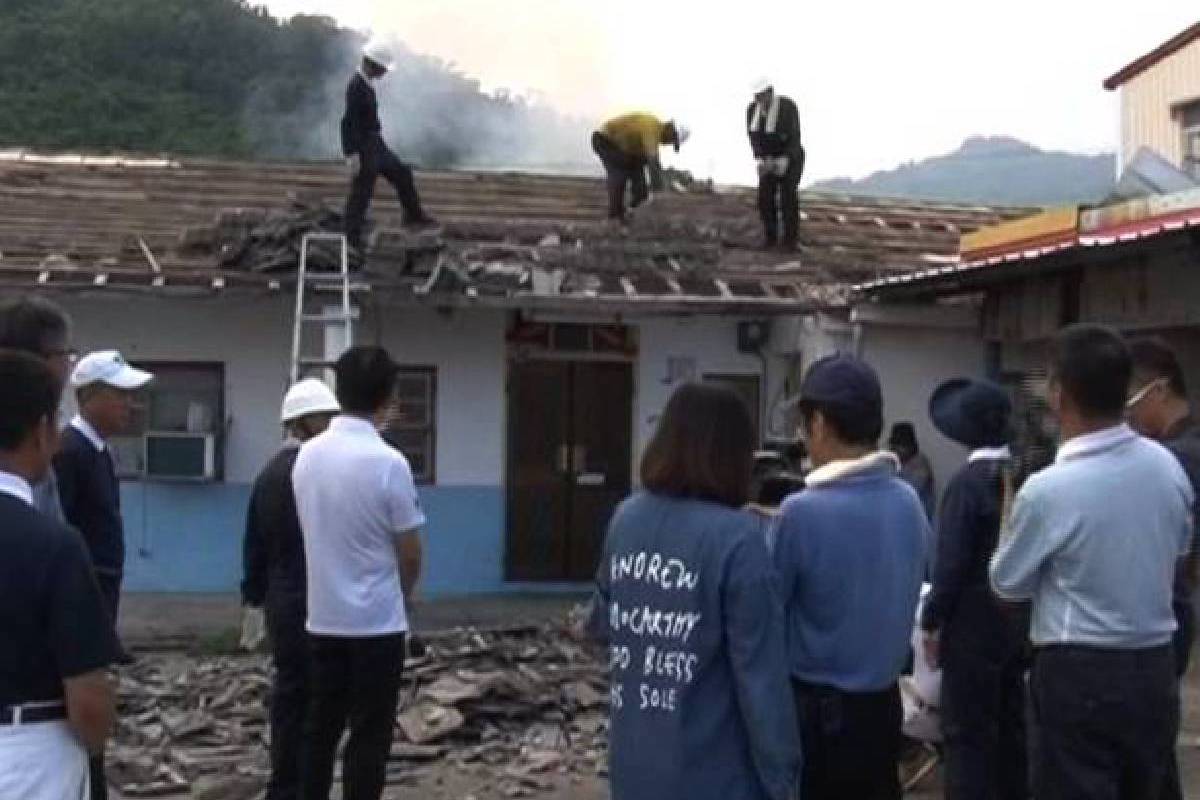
[1189, 131]
[217, 430]
[429, 373]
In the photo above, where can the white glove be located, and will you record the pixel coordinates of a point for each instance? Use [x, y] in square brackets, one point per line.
[781, 166]
[254, 628]
[354, 164]
[764, 166]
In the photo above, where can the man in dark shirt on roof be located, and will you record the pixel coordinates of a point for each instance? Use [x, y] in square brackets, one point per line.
[1158, 408]
[275, 579]
[367, 155]
[56, 704]
[773, 125]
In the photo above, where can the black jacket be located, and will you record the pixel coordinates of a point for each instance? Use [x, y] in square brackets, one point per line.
[273, 550]
[962, 604]
[91, 499]
[360, 123]
[784, 141]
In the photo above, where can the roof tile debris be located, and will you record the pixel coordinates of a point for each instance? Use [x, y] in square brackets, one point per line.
[519, 708]
[510, 240]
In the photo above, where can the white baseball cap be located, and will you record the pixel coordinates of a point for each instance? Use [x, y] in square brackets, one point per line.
[309, 396]
[110, 368]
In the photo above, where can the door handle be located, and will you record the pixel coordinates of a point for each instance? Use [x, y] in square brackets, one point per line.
[592, 479]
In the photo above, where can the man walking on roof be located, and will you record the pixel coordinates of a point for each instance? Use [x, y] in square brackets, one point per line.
[367, 155]
[628, 146]
[773, 125]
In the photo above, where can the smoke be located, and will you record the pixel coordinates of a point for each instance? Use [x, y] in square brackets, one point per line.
[434, 116]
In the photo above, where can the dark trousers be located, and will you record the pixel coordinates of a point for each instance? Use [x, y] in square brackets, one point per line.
[1105, 722]
[623, 170]
[110, 593]
[1185, 636]
[850, 742]
[378, 159]
[983, 720]
[780, 194]
[355, 682]
[289, 696]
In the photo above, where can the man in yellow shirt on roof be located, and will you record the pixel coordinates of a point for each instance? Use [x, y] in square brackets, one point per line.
[627, 146]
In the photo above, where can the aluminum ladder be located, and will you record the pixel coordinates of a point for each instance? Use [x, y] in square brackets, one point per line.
[329, 318]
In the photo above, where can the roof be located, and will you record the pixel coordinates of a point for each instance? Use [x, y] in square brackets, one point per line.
[1065, 250]
[71, 222]
[1164, 50]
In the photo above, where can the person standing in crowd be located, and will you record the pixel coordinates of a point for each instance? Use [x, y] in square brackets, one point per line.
[39, 327]
[56, 640]
[1158, 408]
[274, 579]
[978, 642]
[686, 602]
[367, 154]
[773, 125]
[627, 146]
[915, 469]
[1094, 541]
[361, 518]
[851, 554]
[87, 480]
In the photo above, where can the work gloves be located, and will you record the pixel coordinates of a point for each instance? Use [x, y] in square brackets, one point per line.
[354, 164]
[774, 166]
[254, 628]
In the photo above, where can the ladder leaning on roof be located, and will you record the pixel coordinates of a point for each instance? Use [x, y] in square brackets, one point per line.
[330, 318]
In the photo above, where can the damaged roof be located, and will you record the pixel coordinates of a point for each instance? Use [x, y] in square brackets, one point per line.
[71, 222]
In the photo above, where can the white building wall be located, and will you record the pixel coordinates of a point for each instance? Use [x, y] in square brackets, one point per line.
[1147, 100]
[911, 362]
[711, 342]
[251, 336]
[468, 350]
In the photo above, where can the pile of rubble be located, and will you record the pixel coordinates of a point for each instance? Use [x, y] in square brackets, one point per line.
[518, 712]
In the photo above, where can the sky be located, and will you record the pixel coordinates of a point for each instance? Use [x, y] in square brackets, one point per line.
[878, 82]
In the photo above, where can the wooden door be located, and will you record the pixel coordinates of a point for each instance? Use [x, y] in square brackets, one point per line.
[569, 452]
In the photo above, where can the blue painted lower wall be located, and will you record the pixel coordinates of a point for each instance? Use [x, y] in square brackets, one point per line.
[188, 538]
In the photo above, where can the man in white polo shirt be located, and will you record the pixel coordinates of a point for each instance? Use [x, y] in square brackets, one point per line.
[361, 519]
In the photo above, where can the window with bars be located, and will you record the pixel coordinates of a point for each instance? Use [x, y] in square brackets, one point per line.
[1190, 122]
[411, 422]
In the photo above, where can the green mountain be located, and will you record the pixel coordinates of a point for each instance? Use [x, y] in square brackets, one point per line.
[993, 169]
[224, 78]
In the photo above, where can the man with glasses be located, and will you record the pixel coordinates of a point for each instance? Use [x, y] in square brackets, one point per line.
[1158, 409]
[40, 328]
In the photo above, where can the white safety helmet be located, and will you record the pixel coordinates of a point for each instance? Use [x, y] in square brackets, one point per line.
[309, 396]
[682, 132]
[377, 52]
[761, 85]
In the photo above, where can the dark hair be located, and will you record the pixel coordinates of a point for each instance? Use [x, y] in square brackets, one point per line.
[1153, 358]
[366, 379]
[29, 395]
[703, 447]
[32, 325]
[850, 427]
[1093, 365]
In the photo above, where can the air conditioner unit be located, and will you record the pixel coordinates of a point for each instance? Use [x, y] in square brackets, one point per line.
[181, 456]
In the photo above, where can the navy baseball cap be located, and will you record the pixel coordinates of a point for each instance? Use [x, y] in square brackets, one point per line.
[846, 382]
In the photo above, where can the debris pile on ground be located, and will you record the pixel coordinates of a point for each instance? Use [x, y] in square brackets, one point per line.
[516, 712]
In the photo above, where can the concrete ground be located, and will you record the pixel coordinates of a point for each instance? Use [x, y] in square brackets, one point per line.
[152, 622]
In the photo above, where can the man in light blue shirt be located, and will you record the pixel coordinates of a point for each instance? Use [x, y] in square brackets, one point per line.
[1094, 541]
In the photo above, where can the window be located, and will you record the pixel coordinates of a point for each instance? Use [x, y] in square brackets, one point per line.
[746, 387]
[1190, 122]
[411, 424]
[178, 425]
